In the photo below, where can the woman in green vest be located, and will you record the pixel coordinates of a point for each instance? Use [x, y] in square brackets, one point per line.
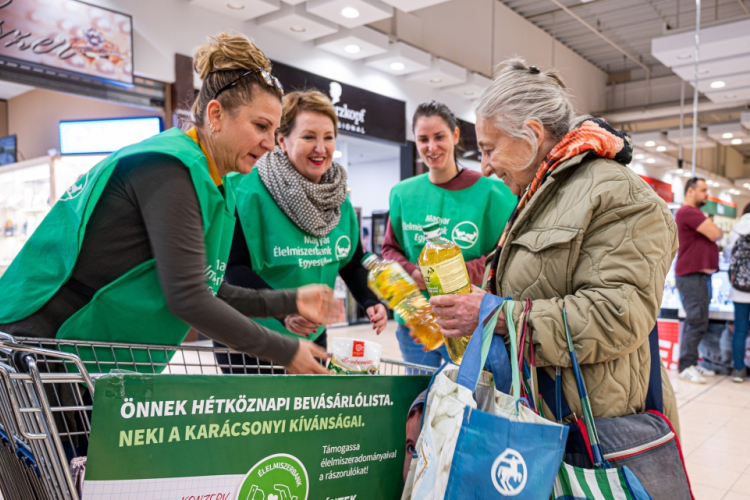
[471, 209]
[296, 224]
[136, 250]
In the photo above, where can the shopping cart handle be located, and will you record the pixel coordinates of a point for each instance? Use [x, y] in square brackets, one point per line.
[20, 362]
[8, 338]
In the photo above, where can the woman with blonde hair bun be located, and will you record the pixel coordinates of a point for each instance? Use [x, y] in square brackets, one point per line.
[136, 250]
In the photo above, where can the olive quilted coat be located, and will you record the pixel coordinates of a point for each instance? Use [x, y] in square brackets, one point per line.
[598, 240]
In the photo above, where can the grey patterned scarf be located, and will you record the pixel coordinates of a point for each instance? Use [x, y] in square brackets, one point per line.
[314, 208]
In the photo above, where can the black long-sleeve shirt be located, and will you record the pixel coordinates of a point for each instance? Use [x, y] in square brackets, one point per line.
[149, 209]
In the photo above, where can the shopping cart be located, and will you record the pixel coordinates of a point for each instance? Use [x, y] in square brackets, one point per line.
[46, 394]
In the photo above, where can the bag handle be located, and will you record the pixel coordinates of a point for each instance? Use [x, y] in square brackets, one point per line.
[480, 342]
[588, 417]
[515, 373]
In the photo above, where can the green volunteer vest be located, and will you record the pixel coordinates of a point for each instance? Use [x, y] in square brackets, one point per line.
[132, 308]
[473, 218]
[284, 255]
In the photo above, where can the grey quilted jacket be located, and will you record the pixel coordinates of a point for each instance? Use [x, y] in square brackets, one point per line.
[598, 240]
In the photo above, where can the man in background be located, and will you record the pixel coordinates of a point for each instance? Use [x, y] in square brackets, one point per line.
[697, 260]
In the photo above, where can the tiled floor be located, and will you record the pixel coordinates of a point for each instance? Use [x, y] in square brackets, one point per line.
[714, 418]
[715, 426]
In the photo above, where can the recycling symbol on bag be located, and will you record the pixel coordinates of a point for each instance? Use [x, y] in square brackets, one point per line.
[509, 473]
[276, 477]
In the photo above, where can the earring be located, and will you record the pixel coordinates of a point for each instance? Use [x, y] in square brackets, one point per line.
[211, 126]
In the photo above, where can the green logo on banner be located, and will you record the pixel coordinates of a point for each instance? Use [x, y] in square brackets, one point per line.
[276, 477]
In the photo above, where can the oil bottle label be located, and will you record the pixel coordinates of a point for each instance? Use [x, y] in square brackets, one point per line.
[446, 277]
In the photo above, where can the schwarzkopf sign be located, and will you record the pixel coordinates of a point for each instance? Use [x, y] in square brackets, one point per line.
[360, 112]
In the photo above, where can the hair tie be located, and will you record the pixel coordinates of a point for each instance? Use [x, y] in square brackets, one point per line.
[534, 70]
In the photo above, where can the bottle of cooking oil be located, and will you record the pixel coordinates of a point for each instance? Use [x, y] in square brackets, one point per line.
[444, 272]
[389, 281]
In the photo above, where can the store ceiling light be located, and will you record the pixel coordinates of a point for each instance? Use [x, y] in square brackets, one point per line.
[442, 73]
[639, 156]
[679, 171]
[736, 142]
[726, 133]
[240, 10]
[651, 140]
[295, 22]
[661, 149]
[718, 84]
[472, 89]
[651, 160]
[717, 42]
[350, 13]
[356, 43]
[401, 59]
[337, 154]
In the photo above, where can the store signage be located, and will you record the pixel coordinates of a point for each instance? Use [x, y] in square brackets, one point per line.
[360, 111]
[249, 437]
[663, 190]
[69, 36]
[715, 206]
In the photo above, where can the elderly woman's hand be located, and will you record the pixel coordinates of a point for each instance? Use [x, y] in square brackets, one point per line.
[459, 314]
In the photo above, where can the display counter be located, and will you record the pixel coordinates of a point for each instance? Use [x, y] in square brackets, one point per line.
[28, 189]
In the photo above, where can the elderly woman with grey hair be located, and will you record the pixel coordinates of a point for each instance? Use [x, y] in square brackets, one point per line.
[588, 235]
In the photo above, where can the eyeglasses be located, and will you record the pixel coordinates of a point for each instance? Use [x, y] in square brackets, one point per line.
[269, 80]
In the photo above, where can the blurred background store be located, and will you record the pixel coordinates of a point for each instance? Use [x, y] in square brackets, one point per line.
[79, 80]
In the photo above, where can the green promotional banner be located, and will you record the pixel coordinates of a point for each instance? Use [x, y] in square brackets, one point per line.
[214, 437]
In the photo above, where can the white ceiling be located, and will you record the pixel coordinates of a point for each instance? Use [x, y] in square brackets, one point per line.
[10, 90]
[724, 59]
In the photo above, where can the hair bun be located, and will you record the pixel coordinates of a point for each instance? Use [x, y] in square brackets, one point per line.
[227, 52]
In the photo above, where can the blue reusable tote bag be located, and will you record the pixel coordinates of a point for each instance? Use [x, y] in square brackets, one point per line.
[498, 456]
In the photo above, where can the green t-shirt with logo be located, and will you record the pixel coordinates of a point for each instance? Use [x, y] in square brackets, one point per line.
[282, 254]
[473, 218]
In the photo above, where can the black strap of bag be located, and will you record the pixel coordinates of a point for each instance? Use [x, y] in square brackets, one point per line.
[654, 396]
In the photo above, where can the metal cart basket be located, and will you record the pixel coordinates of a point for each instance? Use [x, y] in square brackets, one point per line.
[46, 392]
